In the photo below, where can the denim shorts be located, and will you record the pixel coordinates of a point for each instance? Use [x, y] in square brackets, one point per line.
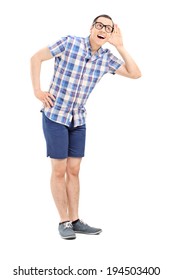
[63, 141]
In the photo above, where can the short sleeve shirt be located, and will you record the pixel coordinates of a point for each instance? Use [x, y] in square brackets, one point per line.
[76, 72]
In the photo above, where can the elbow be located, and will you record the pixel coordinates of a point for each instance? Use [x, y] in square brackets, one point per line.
[35, 59]
[32, 59]
[136, 75]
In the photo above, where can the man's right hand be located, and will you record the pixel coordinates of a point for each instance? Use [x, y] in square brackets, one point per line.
[46, 98]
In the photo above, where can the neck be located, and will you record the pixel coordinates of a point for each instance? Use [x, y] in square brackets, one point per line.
[94, 46]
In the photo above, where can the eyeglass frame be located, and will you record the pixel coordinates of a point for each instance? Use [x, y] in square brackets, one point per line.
[104, 25]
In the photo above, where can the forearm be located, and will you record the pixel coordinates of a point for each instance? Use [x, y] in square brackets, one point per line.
[129, 63]
[36, 61]
[129, 68]
[35, 74]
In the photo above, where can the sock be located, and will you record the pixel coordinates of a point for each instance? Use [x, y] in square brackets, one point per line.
[63, 222]
[74, 222]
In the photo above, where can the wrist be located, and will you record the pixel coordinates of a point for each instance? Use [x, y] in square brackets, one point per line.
[38, 95]
[119, 47]
[37, 91]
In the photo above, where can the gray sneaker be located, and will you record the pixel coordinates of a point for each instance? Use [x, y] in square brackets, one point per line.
[80, 227]
[66, 230]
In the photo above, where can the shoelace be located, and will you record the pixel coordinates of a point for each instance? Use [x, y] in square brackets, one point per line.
[83, 222]
[68, 225]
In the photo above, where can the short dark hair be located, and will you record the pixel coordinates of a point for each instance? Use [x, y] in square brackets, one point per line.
[106, 16]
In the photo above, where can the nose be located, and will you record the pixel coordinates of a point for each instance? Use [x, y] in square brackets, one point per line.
[104, 26]
[103, 30]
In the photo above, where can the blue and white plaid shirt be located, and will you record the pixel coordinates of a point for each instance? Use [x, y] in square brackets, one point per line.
[76, 72]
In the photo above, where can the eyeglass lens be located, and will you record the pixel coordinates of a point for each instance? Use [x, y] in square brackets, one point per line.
[100, 25]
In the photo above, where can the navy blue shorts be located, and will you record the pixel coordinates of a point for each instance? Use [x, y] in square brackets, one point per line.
[63, 141]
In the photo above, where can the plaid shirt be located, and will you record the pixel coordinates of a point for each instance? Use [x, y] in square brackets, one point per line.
[76, 72]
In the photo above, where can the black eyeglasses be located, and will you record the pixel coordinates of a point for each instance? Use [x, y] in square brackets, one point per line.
[100, 25]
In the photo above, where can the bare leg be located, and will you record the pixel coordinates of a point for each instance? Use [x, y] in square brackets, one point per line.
[58, 187]
[73, 186]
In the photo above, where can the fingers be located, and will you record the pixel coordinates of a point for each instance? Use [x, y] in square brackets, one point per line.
[116, 29]
[48, 100]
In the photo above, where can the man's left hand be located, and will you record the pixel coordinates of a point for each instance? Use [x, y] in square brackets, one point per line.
[116, 37]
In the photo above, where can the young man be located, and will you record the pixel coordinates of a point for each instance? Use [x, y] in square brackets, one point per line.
[79, 65]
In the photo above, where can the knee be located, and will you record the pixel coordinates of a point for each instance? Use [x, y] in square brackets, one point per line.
[58, 170]
[58, 173]
[73, 170]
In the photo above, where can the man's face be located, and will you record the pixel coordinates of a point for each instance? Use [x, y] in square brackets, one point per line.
[99, 33]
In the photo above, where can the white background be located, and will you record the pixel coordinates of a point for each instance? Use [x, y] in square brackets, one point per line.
[126, 176]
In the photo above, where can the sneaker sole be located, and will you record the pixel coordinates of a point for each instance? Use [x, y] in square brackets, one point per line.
[89, 233]
[68, 237]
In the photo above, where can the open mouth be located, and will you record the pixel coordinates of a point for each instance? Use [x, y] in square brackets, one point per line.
[101, 37]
